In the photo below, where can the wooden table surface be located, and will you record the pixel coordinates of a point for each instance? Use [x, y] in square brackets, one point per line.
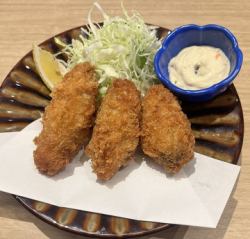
[23, 22]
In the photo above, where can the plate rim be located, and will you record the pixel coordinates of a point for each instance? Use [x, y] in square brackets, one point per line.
[93, 234]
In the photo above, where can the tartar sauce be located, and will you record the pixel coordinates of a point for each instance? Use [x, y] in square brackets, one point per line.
[198, 67]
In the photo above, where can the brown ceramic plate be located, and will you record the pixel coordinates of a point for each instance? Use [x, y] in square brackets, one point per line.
[217, 126]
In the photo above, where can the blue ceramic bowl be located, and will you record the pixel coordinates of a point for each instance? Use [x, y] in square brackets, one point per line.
[190, 35]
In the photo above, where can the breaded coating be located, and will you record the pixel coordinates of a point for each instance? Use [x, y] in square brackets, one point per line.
[116, 132]
[67, 120]
[166, 132]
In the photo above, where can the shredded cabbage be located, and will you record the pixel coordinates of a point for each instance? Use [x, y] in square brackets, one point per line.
[124, 47]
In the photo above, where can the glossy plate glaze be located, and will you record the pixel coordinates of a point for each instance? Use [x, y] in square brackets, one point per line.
[217, 126]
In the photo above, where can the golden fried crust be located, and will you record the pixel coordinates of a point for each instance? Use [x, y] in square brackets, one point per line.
[67, 120]
[116, 132]
[166, 132]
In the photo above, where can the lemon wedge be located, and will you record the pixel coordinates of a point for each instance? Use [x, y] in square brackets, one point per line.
[47, 67]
